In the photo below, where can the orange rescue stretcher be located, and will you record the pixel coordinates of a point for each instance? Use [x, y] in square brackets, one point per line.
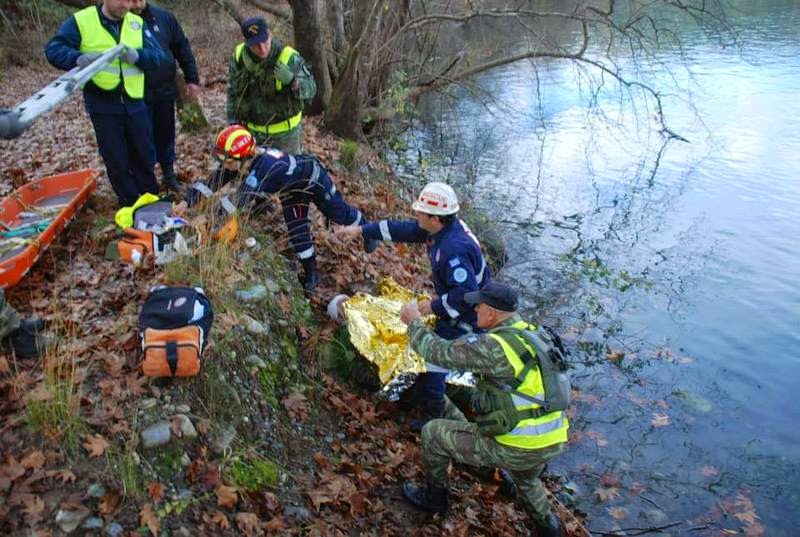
[33, 215]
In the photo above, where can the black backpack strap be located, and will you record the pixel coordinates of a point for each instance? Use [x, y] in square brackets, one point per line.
[172, 356]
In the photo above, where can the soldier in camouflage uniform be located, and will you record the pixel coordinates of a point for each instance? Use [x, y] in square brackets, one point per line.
[19, 336]
[525, 449]
[269, 84]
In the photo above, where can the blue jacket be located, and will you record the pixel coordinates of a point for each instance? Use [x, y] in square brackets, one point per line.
[168, 32]
[276, 171]
[457, 267]
[63, 50]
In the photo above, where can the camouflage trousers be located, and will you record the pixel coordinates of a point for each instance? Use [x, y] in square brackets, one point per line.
[9, 320]
[289, 142]
[460, 441]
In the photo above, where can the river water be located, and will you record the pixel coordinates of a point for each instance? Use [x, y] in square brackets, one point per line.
[670, 268]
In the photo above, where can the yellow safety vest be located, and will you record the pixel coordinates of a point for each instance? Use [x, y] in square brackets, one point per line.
[285, 125]
[95, 38]
[531, 433]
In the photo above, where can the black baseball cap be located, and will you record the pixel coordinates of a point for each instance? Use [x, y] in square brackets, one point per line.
[255, 30]
[495, 294]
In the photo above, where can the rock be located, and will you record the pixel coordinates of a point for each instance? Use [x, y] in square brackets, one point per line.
[96, 490]
[251, 294]
[655, 516]
[93, 523]
[69, 520]
[149, 402]
[272, 286]
[183, 409]
[283, 322]
[255, 361]
[222, 439]
[114, 530]
[256, 327]
[156, 435]
[185, 426]
[185, 460]
[694, 401]
[184, 495]
[300, 514]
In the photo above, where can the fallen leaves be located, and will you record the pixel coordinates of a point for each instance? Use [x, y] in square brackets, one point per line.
[709, 471]
[95, 444]
[296, 405]
[148, 518]
[607, 493]
[617, 513]
[227, 497]
[156, 491]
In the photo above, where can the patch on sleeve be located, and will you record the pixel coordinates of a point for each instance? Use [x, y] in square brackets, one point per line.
[471, 339]
[460, 275]
[455, 262]
[275, 153]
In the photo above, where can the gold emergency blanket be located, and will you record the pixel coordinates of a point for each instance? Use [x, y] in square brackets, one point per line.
[378, 333]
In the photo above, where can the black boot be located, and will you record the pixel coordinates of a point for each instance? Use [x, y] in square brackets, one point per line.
[429, 497]
[169, 180]
[310, 277]
[370, 245]
[27, 341]
[552, 528]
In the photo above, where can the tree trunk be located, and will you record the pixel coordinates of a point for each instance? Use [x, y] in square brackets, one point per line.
[308, 18]
[344, 113]
[77, 3]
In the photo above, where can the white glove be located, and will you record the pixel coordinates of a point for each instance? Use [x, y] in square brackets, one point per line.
[86, 59]
[129, 55]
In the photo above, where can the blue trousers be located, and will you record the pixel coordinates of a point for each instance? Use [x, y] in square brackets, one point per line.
[320, 190]
[162, 116]
[430, 387]
[125, 142]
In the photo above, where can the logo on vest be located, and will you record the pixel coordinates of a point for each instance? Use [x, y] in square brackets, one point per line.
[136, 26]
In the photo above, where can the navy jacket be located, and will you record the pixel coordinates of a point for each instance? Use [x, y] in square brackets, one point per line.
[168, 32]
[63, 50]
[276, 171]
[457, 267]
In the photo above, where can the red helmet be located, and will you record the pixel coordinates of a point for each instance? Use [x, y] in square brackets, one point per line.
[236, 142]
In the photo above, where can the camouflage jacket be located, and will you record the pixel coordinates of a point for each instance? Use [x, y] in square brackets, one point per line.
[478, 353]
[252, 95]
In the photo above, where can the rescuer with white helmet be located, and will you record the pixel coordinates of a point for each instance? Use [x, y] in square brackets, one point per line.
[457, 267]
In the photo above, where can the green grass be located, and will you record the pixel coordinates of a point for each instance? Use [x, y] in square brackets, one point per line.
[349, 154]
[253, 473]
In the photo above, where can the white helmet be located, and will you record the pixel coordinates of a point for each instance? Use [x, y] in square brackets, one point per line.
[436, 198]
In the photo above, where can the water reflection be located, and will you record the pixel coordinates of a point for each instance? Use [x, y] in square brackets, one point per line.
[671, 268]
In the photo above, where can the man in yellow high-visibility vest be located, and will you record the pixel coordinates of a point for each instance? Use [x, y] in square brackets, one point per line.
[114, 97]
[532, 436]
[269, 84]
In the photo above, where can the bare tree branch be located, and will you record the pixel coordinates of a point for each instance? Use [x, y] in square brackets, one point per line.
[279, 12]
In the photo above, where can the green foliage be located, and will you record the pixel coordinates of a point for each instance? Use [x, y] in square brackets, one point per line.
[253, 473]
[192, 118]
[124, 465]
[349, 153]
[342, 355]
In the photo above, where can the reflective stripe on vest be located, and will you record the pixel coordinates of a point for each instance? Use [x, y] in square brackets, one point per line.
[530, 433]
[95, 38]
[285, 125]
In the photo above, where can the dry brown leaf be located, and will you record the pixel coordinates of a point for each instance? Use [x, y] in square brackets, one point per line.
[4, 368]
[149, 518]
[33, 506]
[156, 491]
[65, 476]
[219, 518]
[748, 517]
[95, 444]
[276, 525]
[226, 496]
[660, 420]
[295, 404]
[33, 460]
[598, 438]
[618, 513]
[110, 502]
[248, 523]
[607, 493]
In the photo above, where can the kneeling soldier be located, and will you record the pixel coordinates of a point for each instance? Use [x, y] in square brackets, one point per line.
[536, 436]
